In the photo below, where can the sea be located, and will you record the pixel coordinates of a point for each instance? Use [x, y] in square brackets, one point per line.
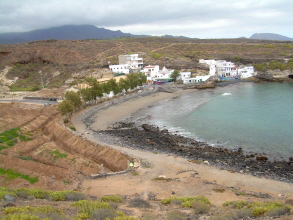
[258, 117]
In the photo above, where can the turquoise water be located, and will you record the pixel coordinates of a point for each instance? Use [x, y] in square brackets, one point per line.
[256, 117]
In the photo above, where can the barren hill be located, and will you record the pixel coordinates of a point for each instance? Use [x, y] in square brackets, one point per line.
[59, 60]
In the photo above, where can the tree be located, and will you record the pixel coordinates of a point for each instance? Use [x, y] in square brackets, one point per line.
[65, 107]
[86, 94]
[174, 75]
[74, 97]
[124, 84]
[113, 86]
[142, 78]
[133, 80]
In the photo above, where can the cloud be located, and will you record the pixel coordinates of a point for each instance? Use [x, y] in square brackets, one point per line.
[203, 19]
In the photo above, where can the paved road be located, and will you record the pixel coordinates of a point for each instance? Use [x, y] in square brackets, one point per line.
[40, 102]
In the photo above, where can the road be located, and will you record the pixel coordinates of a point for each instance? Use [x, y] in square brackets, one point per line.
[39, 102]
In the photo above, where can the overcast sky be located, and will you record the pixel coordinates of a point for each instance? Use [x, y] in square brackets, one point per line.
[191, 18]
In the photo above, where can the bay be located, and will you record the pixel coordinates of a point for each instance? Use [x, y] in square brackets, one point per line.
[255, 117]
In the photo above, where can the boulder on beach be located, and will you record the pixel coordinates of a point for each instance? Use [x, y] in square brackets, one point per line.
[206, 85]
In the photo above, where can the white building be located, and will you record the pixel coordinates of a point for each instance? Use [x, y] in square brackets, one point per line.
[127, 63]
[245, 72]
[164, 73]
[123, 68]
[225, 68]
[184, 75]
[151, 71]
[197, 79]
[132, 60]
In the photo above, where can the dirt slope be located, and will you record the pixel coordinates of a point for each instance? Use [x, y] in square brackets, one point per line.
[55, 154]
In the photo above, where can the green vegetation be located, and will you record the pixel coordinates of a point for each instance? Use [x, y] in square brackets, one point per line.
[114, 198]
[24, 157]
[11, 174]
[72, 128]
[187, 201]
[10, 137]
[72, 100]
[273, 65]
[261, 208]
[175, 74]
[57, 154]
[155, 55]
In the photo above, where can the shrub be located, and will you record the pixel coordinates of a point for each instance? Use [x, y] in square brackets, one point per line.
[124, 218]
[176, 202]
[200, 208]
[175, 215]
[139, 203]
[187, 199]
[72, 128]
[21, 216]
[102, 214]
[75, 196]
[278, 211]
[242, 214]
[114, 198]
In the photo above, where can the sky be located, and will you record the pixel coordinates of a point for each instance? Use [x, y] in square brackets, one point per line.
[190, 18]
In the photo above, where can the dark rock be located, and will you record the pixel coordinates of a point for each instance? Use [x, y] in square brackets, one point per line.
[9, 198]
[262, 158]
[9, 205]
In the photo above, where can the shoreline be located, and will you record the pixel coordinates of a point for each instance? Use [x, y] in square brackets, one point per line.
[149, 138]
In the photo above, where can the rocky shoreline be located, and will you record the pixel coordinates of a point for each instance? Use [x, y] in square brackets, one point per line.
[151, 138]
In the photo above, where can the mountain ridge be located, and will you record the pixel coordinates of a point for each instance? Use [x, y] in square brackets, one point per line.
[82, 32]
[65, 32]
[270, 36]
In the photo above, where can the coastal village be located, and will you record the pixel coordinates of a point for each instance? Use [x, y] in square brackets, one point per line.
[218, 69]
[75, 161]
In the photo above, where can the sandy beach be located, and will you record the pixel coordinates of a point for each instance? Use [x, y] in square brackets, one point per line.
[208, 177]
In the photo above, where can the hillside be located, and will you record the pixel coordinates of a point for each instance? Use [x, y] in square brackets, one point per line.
[58, 60]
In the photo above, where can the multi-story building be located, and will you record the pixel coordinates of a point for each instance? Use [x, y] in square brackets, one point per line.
[132, 60]
[127, 63]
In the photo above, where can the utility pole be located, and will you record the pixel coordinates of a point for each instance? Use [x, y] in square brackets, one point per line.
[42, 79]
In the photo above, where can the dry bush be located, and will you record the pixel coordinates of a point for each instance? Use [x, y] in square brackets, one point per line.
[102, 214]
[139, 203]
[75, 196]
[176, 215]
[278, 212]
[200, 208]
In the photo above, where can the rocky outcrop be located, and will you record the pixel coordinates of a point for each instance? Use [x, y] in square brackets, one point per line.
[206, 85]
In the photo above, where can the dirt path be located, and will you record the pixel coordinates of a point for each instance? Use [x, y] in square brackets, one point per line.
[184, 184]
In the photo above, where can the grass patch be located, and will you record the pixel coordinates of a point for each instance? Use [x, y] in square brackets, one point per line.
[114, 198]
[30, 209]
[87, 208]
[10, 137]
[261, 208]
[66, 195]
[11, 174]
[187, 201]
[72, 128]
[57, 154]
[24, 157]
